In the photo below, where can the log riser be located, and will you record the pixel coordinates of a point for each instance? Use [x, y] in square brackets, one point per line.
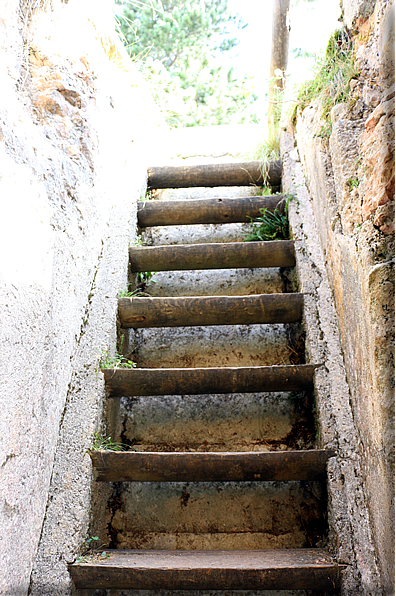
[210, 467]
[233, 174]
[213, 310]
[213, 256]
[139, 382]
[203, 211]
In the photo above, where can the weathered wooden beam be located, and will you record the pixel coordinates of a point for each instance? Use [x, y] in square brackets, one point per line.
[279, 56]
[210, 310]
[219, 255]
[135, 466]
[200, 381]
[203, 211]
[247, 173]
[278, 569]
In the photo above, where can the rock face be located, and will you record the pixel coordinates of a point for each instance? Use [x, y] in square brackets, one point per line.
[351, 181]
[71, 170]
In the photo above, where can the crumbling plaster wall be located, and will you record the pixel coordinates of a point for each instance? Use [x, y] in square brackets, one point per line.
[351, 181]
[72, 166]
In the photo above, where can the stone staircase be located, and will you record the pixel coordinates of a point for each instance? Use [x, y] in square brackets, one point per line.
[224, 485]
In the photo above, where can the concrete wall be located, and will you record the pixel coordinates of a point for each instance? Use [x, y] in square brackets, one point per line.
[351, 181]
[72, 163]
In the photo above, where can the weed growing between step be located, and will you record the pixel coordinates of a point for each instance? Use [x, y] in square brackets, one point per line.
[142, 279]
[116, 361]
[271, 225]
[145, 277]
[102, 443]
[90, 551]
[266, 191]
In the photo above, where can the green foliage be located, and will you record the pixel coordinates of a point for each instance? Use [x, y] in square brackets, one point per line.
[269, 149]
[266, 151]
[333, 73]
[177, 44]
[144, 277]
[102, 443]
[172, 29]
[300, 53]
[353, 182]
[126, 294]
[266, 191]
[270, 226]
[116, 361]
[137, 242]
[90, 550]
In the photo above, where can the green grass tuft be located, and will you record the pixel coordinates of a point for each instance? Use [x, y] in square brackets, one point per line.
[102, 443]
[330, 85]
[270, 226]
[116, 361]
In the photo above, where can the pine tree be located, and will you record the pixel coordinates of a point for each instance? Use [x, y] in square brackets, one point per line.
[177, 44]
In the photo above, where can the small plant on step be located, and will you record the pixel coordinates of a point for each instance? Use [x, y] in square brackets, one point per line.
[91, 550]
[270, 225]
[142, 279]
[266, 191]
[137, 242]
[102, 443]
[116, 361]
[134, 294]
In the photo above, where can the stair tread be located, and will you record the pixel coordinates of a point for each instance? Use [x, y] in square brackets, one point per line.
[229, 559]
[210, 310]
[239, 569]
[244, 466]
[203, 211]
[216, 255]
[216, 380]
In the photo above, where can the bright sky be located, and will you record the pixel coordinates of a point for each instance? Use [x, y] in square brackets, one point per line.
[312, 23]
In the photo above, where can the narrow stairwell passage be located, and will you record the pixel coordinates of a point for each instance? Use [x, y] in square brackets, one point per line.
[224, 485]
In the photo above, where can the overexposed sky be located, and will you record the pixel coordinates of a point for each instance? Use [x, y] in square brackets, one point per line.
[311, 26]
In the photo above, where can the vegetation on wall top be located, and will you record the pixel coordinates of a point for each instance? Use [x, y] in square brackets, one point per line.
[333, 73]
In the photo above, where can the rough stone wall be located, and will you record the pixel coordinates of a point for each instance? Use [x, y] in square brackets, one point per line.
[350, 532]
[351, 181]
[72, 165]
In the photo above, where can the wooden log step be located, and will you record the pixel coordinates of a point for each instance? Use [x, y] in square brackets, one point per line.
[248, 173]
[275, 569]
[201, 381]
[218, 255]
[210, 310]
[203, 211]
[135, 466]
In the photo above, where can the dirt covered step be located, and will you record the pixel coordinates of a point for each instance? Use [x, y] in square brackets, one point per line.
[248, 173]
[203, 211]
[144, 466]
[279, 569]
[195, 381]
[210, 310]
[217, 515]
[224, 255]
